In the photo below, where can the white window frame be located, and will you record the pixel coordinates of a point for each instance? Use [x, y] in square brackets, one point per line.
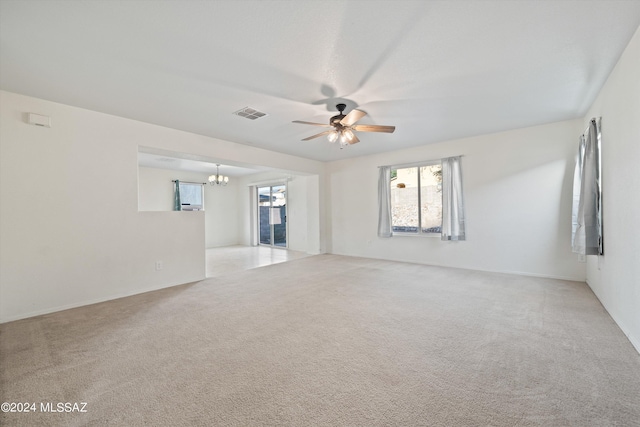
[419, 232]
[271, 184]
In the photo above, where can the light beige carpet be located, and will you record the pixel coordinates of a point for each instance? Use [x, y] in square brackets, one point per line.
[330, 341]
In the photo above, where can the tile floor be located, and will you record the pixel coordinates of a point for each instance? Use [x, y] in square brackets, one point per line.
[230, 259]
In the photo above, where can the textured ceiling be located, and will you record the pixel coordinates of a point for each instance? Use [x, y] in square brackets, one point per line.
[436, 70]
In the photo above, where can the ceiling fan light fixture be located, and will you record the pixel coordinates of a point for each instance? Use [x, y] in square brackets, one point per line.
[345, 127]
[344, 138]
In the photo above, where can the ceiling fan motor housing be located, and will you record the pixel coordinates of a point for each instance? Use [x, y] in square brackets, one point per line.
[335, 120]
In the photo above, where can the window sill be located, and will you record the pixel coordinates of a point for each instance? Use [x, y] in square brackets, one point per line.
[397, 234]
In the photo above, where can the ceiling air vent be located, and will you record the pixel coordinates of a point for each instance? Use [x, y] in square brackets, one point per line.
[249, 113]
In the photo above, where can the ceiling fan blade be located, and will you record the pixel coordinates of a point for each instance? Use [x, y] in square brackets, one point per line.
[311, 123]
[326, 132]
[374, 128]
[354, 140]
[352, 117]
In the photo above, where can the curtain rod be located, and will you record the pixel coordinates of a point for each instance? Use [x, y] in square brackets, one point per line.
[421, 163]
[189, 182]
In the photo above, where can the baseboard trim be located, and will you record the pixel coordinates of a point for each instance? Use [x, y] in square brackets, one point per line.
[635, 341]
[90, 302]
[517, 273]
[50, 310]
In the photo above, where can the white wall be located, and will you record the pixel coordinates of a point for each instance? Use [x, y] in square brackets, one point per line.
[615, 276]
[517, 186]
[155, 193]
[316, 223]
[222, 214]
[297, 214]
[70, 230]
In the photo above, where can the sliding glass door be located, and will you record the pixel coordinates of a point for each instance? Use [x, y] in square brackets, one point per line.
[272, 215]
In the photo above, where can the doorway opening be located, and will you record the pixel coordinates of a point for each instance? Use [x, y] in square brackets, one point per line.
[272, 215]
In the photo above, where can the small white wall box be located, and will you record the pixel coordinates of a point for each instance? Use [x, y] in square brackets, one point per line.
[189, 207]
[39, 120]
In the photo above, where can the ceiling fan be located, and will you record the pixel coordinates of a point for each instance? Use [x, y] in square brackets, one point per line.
[344, 127]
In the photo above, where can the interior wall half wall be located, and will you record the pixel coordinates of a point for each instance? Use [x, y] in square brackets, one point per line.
[156, 190]
[71, 233]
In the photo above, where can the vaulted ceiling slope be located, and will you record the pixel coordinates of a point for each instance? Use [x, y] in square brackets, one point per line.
[437, 70]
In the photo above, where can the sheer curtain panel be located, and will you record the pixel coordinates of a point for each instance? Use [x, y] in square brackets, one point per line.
[453, 227]
[587, 236]
[384, 202]
[177, 205]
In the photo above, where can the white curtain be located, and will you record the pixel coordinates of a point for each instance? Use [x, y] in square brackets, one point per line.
[177, 205]
[452, 200]
[384, 202]
[586, 232]
[577, 179]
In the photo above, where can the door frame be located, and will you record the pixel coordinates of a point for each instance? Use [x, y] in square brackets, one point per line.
[256, 199]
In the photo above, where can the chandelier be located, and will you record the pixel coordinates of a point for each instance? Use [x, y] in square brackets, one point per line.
[218, 179]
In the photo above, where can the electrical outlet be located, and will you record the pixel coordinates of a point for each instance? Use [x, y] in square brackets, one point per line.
[159, 265]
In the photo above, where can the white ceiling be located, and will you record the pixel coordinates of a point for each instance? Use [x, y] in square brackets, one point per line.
[176, 162]
[436, 70]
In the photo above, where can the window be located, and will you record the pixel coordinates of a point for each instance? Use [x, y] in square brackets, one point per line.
[416, 199]
[191, 196]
